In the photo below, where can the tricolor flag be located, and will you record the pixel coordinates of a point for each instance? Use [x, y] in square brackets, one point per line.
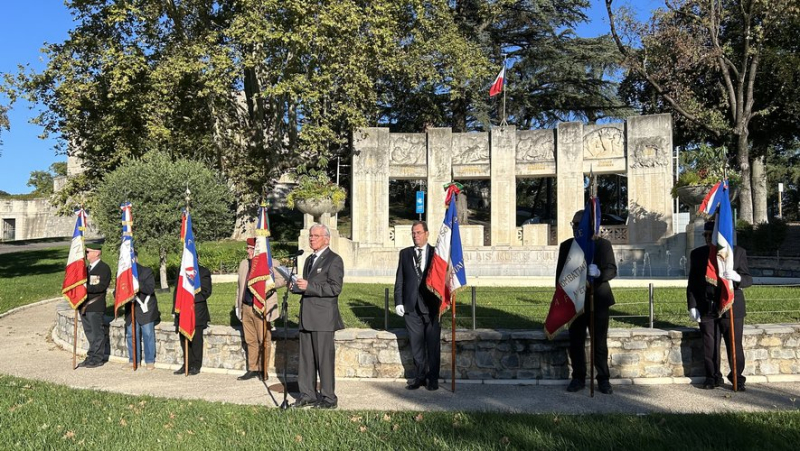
[720, 256]
[448, 273]
[127, 275]
[497, 85]
[569, 299]
[75, 276]
[260, 281]
[188, 280]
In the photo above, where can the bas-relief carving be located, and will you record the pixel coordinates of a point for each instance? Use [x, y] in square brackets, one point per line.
[649, 152]
[407, 149]
[470, 149]
[603, 142]
[371, 161]
[535, 147]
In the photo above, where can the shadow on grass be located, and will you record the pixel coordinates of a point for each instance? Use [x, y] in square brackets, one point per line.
[33, 262]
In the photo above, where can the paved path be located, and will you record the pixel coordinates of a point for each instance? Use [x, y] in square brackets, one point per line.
[27, 350]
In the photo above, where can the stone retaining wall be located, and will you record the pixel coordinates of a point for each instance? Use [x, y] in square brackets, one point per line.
[481, 354]
[774, 266]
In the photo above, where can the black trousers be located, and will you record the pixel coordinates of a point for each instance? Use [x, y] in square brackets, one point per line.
[577, 345]
[709, 330]
[195, 348]
[95, 335]
[725, 331]
[317, 356]
[424, 337]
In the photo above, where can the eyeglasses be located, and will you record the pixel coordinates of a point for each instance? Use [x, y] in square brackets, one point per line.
[316, 236]
[418, 233]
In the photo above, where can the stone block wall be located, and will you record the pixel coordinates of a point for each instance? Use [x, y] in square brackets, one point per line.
[481, 354]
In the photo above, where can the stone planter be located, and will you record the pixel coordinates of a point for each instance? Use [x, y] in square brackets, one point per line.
[318, 207]
[694, 194]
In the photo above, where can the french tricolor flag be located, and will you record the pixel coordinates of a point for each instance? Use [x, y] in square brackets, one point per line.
[448, 274]
[75, 275]
[260, 281]
[497, 85]
[127, 275]
[188, 280]
[720, 256]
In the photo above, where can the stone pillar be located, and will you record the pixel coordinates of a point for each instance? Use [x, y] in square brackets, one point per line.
[569, 174]
[440, 171]
[650, 178]
[370, 187]
[503, 145]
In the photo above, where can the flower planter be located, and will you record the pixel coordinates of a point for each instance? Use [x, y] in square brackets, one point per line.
[694, 194]
[318, 207]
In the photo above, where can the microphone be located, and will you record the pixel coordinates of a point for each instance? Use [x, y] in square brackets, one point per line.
[298, 253]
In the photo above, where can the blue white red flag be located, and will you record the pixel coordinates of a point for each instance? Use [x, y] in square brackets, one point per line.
[448, 274]
[76, 274]
[570, 297]
[260, 281]
[127, 274]
[720, 255]
[188, 280]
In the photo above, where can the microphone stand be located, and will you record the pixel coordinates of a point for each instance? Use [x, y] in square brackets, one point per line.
[285, 314]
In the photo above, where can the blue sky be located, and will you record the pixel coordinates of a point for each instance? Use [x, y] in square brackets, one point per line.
[25, 25]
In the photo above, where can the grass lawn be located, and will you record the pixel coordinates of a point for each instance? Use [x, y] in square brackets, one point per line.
[37, 415]
[30, 276]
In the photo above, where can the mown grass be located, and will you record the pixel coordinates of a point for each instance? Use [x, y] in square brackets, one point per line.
[31, 276]
[37, 415]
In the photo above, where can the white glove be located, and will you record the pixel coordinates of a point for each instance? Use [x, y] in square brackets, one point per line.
[732, 275]
[694, 314]
[238, 314]
[400, 310]
[594, 271]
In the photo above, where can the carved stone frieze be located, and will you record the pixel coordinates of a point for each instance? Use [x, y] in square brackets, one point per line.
[604, 142]
[649, 152]
[535, 146]
[472, 148]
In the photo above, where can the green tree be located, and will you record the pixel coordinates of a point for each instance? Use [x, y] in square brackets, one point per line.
[704, 61]
[156, 186]
[42, 181]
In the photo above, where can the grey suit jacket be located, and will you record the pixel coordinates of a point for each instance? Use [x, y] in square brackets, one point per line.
[319, 305]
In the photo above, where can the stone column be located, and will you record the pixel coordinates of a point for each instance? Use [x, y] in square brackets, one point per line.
[569, 174]
[650, 178]
[370, 187]
[503, 145]
[440, 171]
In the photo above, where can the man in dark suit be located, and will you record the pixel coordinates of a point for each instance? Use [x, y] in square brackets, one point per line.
[602, 269]
[201, 318]
[94, 307]
[420, 308]
[323, 276]
[703, 304]
[147, 316]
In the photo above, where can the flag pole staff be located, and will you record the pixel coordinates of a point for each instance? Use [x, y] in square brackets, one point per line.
[453, 297]
[188, 198]
[504, 123]
[264, 356]
[593, 193]
[75, 321]
[734, 368]
[134, 338]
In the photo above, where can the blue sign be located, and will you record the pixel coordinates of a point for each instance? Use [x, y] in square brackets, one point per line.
[420, 202]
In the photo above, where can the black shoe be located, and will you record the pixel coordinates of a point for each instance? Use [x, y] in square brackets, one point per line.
[82, 364]
[740, 388]
[415, 384]
[94, 365]
[248, 375]
[194, 371]
[576, 385]
[719, 382]
[325, 404]
[432, 385]
[709, 384]
[179, 371]
[305, 402]
[605, 387]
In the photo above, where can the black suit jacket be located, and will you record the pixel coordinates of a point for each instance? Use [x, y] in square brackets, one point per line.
[96, 287]
[699, 292]
[147, 287]
[201, 314]
[319, 305]
[410, 289]
[604, 259]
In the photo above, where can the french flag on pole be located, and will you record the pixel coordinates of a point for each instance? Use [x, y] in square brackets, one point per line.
[188, 280]
[448, 274]
[720, 256]
[127, 274]
[260, 281]
[570, 296]
[497, 85]
[75, 275]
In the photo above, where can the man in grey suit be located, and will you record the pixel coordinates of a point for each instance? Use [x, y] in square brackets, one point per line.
[420, 308]
[323, 276]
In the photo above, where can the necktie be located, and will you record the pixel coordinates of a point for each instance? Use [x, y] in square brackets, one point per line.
[309, 265]
[418, 261]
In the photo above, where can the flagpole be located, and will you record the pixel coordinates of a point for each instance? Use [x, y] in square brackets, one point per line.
[503, 123]
[188, 198]
[75, 322]
[734, 368]
[593, 193]
[453, 343]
